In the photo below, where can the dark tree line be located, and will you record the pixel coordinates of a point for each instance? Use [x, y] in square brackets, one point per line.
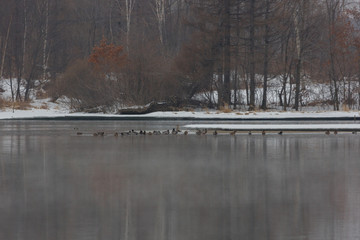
[180, 48]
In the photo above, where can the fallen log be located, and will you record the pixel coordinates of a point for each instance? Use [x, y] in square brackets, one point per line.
[172, 105]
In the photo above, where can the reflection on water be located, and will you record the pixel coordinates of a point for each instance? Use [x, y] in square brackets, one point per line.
[61, 186]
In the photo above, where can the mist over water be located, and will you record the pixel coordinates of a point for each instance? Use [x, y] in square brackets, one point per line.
[56, 185]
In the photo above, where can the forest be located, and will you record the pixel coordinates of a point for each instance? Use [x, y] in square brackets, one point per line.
[238, 54]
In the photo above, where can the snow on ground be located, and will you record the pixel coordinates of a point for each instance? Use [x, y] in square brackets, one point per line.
[55, 112]
[312, 94]
[44, 108]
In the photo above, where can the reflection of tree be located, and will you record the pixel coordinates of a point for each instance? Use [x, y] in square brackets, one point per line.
[227, 188]
[266, 191]
[127, 212]
[299, 210]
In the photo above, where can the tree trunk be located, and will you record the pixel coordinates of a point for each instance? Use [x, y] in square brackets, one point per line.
[333, 6]
[237, 58]
[252, 55]
[266, 55]
[45, 35]
[159, 10]
[285, 92]
[297, 83]
[359, 83]
[129, 6]
[24, 40]
[227, 91]
[4, 50]
[298, 20]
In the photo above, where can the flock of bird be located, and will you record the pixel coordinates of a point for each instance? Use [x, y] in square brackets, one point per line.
[178, 131]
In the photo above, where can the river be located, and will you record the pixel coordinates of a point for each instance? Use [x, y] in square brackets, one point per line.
[56, 184]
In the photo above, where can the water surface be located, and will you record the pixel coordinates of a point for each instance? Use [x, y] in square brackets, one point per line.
[57, 185]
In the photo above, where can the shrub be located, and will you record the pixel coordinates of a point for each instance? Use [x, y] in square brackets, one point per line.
[86, 89]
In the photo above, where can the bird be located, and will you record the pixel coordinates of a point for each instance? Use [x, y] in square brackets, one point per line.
[204, 132]
[101, 134]
[215, 133]
[335, 132]
[150, 133]
[280, 133]
[79, 133]
[249, 133]
[186, 133]
[198, 132]
[233, 133]
[354, 132]
[174, 132]
[167, 132]
[133, 132]
[95, 134]
[263, 132]
[116, 134]
[327, 132]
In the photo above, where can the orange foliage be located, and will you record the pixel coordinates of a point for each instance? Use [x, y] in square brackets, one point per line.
[342, 33]
[107, 58]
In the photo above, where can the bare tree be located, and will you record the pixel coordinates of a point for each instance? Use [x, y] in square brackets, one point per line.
[266, 53]
[129, 7]
[227, 53]
[252, 53]
[159, 11]
[300, 9]
[45, 36]
[333, 7]
[4, 49]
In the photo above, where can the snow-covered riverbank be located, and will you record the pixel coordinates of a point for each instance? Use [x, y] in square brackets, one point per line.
[55, 113]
